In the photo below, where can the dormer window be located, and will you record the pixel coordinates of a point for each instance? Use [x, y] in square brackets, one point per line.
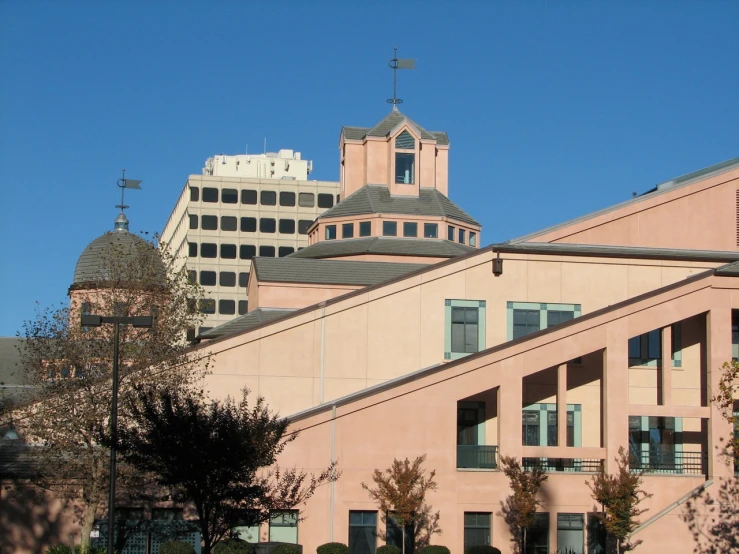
[405, 162]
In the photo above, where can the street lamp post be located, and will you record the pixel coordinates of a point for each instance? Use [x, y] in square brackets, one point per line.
[117, 321]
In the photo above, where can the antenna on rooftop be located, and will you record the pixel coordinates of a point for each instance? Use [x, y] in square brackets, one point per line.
[121, 222]
[395, 64]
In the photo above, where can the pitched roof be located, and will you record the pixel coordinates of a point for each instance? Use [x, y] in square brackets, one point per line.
[246, 321]
[728, 270]
[390, 122]
[328, 272]
[376, 199]
[435, 248]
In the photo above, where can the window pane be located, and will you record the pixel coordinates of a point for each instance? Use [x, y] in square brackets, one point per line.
[248, 224]
[347, 230]
[229, 196]
[192, 249]
[207, 306]
[268, 198]
[365, 228]
[303, 226]
[267, 225]
[654, 339]
[208, 278]
[267, 251]
[209, 222]
[243, 278]
[208, 250]
[210, 194]
[283, 527]
[306, 200]
[193, 222]
[243, 307]
[194, 194]
[450, 232]
[555, 317]
[525, 322]
[287, 226]
[635, 347]
[551, 428]
[227, 279]
[538, 535]
[325, 200]
[571, 533]
[228, 251]
[405, 168]
[430, 230]
[476, 529]
[247, 251]
[227, 307]
[285, 251]
[462, 236]
[473, 239]
[228, 223]
[362, 532]
[287, 198]
[410, 229]
[248, 196]
[389, 228]
[330, 232]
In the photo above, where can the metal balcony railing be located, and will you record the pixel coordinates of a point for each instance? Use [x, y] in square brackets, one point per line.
[477, 456]
[575, 465]
[681, 463]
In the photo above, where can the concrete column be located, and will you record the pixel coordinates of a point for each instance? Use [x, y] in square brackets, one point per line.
[718, 351]
[615, 392]
[510, 407]
[665, 393]
[562, 405]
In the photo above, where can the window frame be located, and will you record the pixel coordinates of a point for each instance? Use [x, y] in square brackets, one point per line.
[272, 523]
[321, 198]
[434, 226]
[365, 225]
[410, 225]
[543, 308]
[329, 232]
[449, 304]
[265, 195]
[477, 526]
[227, 221]
[405, 156]
[350, 227]
[286, 223]
[285, 195]
[385, 232]
[544, 411]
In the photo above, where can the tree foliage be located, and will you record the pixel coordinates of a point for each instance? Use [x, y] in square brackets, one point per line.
[71, 367]
[519, 508]
[219, 456]
[620, 496]
[401, 490]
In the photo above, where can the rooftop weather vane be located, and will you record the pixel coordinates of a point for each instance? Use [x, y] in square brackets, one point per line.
[124, 184]
[395, 64]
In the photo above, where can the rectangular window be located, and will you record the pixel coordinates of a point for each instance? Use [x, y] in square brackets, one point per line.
[228, 223]
[283, 526]
[735, 334]
[347, 230]
[405, 168]
[540, 425]
[243, 307]
[476, 529]
[571, 533]
[283, 251]
[267, 251]
[287, 198]
[525, 318]
[394, 534]
[525, 322]
[325, 200]
[656, 444]
[194, 194]
[303, 226]
[287, 226]
[465, 328]
[229, 196]
[193, 221]
[646, 349]
[531, 428]
[228, 251]
[362, 532]
[210, 194]
[389, 228]
[227, 279]
[247, 251]
[249, 196]
[365, 228]
[330, 232]
[208, 250]
[430, 230]
[462, 238]
[538, 535]
[306, 200]
[596, 534]
[267, 225]
[226, 307]
[473, 239]
[410, 229]
[268, 198]
[450, 232]
[192, 249]
[207, 306]
[248, 224]
[208, 278]
[243, 278]
[209, 222]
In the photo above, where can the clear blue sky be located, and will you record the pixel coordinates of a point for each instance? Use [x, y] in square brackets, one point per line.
[554, 109]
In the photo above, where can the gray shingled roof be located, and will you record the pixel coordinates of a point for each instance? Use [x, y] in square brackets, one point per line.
[390, 122]
[729, 270]
[246, 321]
[384, 245]
[376, 199]
[328, 272]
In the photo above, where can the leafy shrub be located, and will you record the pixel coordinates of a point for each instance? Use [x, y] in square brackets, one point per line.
[433, 549]
[286, 549]
[482, 549]
[234, 546]
[176, 547]
[64, 549]
[389, 549]
[333, 548]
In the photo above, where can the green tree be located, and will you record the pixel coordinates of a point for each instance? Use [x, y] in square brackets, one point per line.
[519, 508]
[619, 495]
[401, 490]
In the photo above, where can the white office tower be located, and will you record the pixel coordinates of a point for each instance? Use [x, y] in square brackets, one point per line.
[240, 207]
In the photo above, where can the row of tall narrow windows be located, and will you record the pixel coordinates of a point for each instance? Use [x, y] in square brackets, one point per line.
[390, 229]
[225, 278]
[249, 224]
[226, 306]
[253, 197]
[229, 251]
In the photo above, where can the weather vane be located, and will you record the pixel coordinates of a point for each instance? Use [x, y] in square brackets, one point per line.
[124, 184]
[395, 64]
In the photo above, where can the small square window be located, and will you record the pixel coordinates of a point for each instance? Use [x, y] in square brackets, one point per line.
[209, 222]
[228, 223]
[287, 198]
[248, 196]
[267, 225]
[325, 200]
[208, 278]
[194, 194]
[285, 251]
[243, 307]
[347, 230]
[287, 226]
[268, 198]
[227, 307]
[462, 238]
[306, 200]
[227, 279]
[208, 250]
[243, 278]
[210, 194]
[228, 251]
[248, 224]
[430, 230]
[247, 251]
[267, 251]
[303, 226]
[192, 249]
[330, 232]
[229, 196]
[410, 229]
[193, 222]
[365, 228]
[207, 306]
[389, 228]
[450, 233]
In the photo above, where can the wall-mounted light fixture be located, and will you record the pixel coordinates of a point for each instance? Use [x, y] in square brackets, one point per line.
[498, 266]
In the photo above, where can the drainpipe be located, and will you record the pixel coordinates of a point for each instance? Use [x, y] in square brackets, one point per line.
[331, 484]
[323, 350]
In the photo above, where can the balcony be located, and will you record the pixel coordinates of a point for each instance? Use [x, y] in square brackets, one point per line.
[675, 463]
[477, 456]
[570, 465]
